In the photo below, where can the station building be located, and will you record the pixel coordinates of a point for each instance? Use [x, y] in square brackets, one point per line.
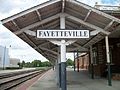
[83, 61]
[14, 62]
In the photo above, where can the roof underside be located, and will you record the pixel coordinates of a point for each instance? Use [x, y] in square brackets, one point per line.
[47, 16]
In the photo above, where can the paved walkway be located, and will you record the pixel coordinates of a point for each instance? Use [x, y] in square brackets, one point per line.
[46, 82]
[75, 81]
[82, 81]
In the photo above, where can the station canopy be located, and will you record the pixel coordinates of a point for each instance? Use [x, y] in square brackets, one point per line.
[78, 16]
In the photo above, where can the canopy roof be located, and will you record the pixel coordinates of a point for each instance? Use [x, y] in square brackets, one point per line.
[47, 16]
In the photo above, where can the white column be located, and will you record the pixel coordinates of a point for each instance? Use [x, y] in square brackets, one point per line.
[63, 46]
[107, 49]
[62, 22]
[63, 51]
[108, 61]
[63, 56]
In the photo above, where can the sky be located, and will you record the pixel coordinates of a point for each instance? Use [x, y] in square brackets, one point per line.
[17, 47]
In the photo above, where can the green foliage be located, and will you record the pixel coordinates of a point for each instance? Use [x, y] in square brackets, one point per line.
[46, 63]
[69, 62]
[35, 63]
[21, 64]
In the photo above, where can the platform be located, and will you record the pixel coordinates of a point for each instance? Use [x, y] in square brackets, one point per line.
[46, 82]
[75, 81]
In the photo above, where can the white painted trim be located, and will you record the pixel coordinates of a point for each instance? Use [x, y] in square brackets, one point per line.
[94, 40]
[87, 15]
[87, 24]
[109, 25]
[70, 42]
[37, 24]
[39, 15]
[15, 24]
[95, 10]
[95, 32]
[31, 33]
[56, 42]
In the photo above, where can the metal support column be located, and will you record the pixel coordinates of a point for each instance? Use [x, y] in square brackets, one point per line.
[92, 66]
[57, 72]
[74, 61]
[63, 65]
[108, 61]
[60, 75]
[92, 71]
[77, 62]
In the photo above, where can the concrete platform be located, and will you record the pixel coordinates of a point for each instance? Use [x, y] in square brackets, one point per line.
[75, 81]
[46, 82]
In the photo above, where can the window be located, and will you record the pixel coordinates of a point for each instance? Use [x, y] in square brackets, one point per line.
[95, 55]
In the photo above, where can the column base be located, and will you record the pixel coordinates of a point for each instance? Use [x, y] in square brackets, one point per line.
[92, 71]
[109, 75]
[63, 76]
[60, 75]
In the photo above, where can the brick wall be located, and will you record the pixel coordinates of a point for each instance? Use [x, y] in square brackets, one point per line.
[100, 68]
[83, 61]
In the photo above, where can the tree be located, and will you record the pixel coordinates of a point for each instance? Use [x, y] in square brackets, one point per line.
[28, 64]
[20, 64]
[36, 63]
[46, 64]
[23, 64]
[69, 62]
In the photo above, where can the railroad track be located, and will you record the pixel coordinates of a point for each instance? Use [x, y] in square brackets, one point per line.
[11, 74]
[13, 81]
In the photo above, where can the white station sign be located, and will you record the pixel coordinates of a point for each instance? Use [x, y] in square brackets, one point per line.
[52, 34]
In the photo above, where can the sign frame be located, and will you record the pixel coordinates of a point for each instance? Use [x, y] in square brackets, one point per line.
[62, 34]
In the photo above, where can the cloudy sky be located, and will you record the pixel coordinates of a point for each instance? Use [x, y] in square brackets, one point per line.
[19, 49]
